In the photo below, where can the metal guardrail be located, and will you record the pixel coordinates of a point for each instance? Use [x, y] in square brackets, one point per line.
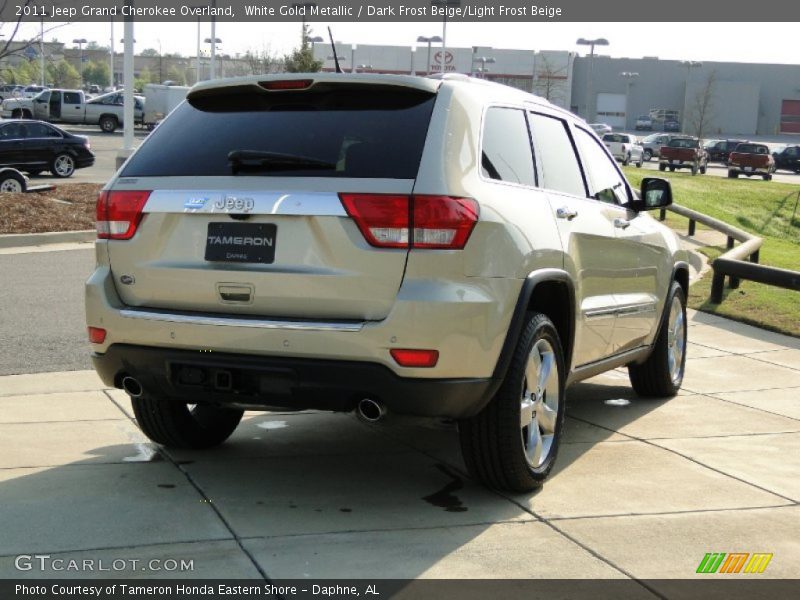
[739, 262]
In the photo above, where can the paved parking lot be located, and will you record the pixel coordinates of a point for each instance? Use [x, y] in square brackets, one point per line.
[643, 489]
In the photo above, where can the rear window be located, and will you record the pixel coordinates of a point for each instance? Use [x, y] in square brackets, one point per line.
[751, 149]
[353, 131]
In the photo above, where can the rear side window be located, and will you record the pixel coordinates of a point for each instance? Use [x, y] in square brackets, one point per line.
[328, 131]
[507, 154]
[72, 98]
[560, 168]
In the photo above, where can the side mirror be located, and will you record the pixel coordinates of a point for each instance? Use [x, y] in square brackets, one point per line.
[655, 193]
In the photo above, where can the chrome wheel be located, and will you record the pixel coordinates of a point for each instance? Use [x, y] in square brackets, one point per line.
[539, 406]
[10, 185]
[64, 165]
[676, 340]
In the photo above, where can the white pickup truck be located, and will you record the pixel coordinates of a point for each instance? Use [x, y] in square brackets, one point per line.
[71, 106]
[624, 147]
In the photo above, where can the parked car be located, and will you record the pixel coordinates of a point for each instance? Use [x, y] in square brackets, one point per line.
[296, 278]
[35, 146]
[624, 147]
[31, 91]
[644, 123]
[72, 106]
[683, 153]
[721, 149]
[601, 128]
[751, 159]
[651, 145]
[787, 158]
[672, 125]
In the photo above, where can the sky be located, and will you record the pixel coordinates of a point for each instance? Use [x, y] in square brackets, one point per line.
[766, 42]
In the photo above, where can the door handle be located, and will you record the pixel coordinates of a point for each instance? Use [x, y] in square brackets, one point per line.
[621, 223]
[566, 213]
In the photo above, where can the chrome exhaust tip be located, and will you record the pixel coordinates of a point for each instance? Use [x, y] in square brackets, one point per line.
[370, 410]
[132, 387]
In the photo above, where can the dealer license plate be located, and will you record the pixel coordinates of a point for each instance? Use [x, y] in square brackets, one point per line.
[241, 242]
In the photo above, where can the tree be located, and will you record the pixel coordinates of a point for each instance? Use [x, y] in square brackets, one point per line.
[97, 73]
[10, 44]
[93, 45]
[145, 77]
[63, 75]
[301, 60]
[151, 52]
[700, 110]
[262, 61]
[548, 81]
[177, 75]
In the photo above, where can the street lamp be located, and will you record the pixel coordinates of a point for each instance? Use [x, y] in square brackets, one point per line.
[428, 40]
[301, 7]
[314, 40]
[445, 4]
[80, 42]
[589, 85]
[213, 52]
[629, 78]
[689, 64]
[483, 60]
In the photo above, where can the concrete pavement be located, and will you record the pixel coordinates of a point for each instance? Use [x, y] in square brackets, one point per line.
[642, 488]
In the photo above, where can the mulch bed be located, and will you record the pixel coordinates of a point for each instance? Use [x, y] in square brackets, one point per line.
[69, 207]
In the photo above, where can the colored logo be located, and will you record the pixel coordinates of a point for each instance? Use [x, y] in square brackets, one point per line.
[734, 562]
[195, 203]
[448, 57]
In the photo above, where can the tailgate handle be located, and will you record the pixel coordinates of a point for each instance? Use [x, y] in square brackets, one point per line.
[235, 292]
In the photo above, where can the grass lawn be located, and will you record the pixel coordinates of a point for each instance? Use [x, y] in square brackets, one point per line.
[764, 208]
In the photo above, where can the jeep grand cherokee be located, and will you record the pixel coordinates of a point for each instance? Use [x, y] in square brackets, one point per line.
[441, 246]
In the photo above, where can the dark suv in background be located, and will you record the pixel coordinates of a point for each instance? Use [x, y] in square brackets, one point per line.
[720, 151]
[788, 158]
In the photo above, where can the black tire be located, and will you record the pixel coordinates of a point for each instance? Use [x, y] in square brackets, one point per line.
[63, 166]
[174, 425]
[12, 182]
[626, 160]
[733, 174]
[703, 169]
[108, 123]
[647, 155]
[639, 164]
[657, 377]
[672, 169]
[493, 442]
[694, 169]
[662, 167]
[768, 177]
[16, 114]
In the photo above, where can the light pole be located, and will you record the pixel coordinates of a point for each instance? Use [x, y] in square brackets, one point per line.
[111, 57]
[301, 7]
[689, 64]
[80, 42]
[445, 4]
[314, 40]
[213, 53]
[483, 60]
[629, 78]
[428, 40]
[589, 99]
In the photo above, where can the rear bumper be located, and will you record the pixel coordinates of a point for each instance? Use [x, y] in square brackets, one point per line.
[296, 383]
[750, 170]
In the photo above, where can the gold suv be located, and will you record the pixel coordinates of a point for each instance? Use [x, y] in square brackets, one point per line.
[441, 247]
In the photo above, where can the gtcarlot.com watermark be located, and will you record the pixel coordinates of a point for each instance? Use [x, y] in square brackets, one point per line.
[46, 563]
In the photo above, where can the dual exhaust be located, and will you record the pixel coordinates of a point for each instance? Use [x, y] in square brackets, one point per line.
[368, 410]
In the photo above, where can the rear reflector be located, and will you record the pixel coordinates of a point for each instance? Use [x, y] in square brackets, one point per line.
[96, 335]
[287, 84]
[415, 358]
[438, 222]
[119, 213]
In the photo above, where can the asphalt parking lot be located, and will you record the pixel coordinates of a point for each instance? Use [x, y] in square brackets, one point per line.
[642, 490]
[720, 170]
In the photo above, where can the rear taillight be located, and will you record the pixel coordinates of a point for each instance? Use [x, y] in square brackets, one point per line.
[407, 357]
[97, 335]
[287, 84]
[437, 222]
[119, 213]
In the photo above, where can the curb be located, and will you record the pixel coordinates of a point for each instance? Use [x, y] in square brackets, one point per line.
[16, 240]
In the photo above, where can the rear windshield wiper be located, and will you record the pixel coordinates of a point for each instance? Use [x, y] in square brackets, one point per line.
[261, 160]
